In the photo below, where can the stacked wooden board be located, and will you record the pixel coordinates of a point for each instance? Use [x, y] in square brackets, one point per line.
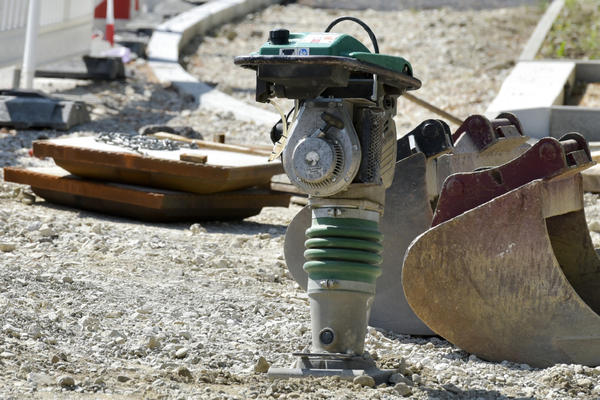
[222, 181]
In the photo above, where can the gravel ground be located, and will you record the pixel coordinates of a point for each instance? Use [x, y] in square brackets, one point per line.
[99, 307]
[462, 57]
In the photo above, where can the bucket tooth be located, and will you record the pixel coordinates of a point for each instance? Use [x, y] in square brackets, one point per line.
[508, 270]
[425, 158]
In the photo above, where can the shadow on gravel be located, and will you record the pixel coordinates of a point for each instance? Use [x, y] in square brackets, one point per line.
[245, 227]
[450, 391]
[229, 227]
[386, 5]
[437, 341]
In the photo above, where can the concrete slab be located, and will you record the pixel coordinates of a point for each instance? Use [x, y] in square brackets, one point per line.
[534, 84]
[535, 93]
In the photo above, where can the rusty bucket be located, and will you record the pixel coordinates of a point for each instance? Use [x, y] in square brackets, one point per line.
[508, 270]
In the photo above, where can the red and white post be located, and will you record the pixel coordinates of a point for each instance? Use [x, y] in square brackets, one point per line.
[110, 22]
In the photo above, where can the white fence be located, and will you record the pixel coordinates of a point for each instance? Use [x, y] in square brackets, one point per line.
[65, 29]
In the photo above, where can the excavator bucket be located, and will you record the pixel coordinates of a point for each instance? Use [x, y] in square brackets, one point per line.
[425, 157]
[508, 270]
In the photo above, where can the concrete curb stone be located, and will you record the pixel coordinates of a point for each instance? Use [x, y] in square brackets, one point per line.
[171, 36]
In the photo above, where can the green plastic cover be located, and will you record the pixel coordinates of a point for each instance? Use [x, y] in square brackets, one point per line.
[333, 44]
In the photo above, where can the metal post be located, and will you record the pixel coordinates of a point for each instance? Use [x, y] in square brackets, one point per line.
[110, 22]
[16, 77]
[33, 20]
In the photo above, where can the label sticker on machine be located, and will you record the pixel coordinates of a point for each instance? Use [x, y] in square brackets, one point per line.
[320, 38]
[296, 51]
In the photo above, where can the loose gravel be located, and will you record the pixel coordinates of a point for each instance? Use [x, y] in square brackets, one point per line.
[461, 56]
[101, 307]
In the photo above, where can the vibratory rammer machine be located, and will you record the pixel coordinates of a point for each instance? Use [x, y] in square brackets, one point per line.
[341, 151]
[529, 276]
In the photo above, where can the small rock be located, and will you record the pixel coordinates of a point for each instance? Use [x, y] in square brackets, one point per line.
[153, 342]
[150, 129]
[416, 378]
[54, 317]
[220, 262]
[7, 247]
[145, 310]
[54, 359]
[181, 353]
[27, 198]
[34, 226]
[399, 378]
[197, 228]
[123, 378]
[403, 389]
[584, 382]
[11, 331]
[364, 380]
[89, 323]
[261, 366]
[184, 372]
[34, 332]
[46, 231]
[114, 314]
[67, 279]
[66, 381]
[594, 226]
[97, 229]
[185, 334]
[99, 381]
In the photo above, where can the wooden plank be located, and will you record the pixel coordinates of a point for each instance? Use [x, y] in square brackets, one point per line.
[195, 158]
[150, 204]
[224, 171]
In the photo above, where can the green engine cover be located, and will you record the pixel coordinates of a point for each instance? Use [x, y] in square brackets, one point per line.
[333, 44]
[315, 44]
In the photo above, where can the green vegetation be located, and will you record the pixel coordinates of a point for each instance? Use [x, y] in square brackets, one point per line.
[575, 32]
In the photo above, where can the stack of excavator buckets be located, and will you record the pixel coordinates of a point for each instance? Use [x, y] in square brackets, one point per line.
[508, 270]
[486, 244]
